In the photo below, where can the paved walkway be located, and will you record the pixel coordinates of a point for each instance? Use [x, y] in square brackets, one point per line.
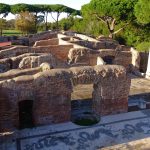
[112, 130]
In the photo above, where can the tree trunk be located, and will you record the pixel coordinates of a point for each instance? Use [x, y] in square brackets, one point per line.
[111, 35]
[1, 32]
[111, 27]
[57, 25]
[46, 28]
[36, 22]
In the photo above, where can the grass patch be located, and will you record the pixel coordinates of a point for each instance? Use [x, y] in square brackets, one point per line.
[11, 32]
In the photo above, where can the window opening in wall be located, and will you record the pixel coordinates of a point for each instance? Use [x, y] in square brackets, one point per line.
[108, 59]
[25, 114]
[81, 105]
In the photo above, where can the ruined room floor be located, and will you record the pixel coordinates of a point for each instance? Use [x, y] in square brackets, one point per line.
[125, 129]
[139, 87]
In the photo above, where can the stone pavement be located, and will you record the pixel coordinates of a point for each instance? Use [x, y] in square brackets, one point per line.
[143, 144]
[111, 130]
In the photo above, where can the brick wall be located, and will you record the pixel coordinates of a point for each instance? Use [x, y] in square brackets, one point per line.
[51, 91]
[60, 51]
[54, 41]
[89, 57]
[42, 36]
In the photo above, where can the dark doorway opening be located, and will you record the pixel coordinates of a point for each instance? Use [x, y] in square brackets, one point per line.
[25, 114]
[108, 59]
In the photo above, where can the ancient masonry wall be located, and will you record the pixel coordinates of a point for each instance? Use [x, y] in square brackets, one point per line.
[89, 57]
[54, 41]
[42, 36]
[58, 50]
[51, 91]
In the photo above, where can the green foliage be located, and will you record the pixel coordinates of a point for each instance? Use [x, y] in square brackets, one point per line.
[66, 23]
[144, 46]
[38, 8]
[18, 8]
[11, 32]
[111, 13]
[89, 27]
[41, 26]
[4, 9]
[10, 24]
[25, 22]
[142, 11]
[2, 25]
[120, 10]
[134, 34]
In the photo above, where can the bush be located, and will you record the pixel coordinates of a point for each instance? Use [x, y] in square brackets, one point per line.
[144, 46]
[25, 22]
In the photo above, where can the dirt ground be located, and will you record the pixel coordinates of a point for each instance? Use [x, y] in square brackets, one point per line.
[139, 86]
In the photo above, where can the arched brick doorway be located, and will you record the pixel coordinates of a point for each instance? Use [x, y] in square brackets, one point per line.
[25, 114]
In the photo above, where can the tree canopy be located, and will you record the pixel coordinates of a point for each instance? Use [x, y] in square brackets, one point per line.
[18, 8]
[142, 11]
[45, 9]
[4, 9]
[110, 12]
[25, 22]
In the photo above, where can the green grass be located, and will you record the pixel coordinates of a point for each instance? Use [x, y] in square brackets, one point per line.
[11, 32]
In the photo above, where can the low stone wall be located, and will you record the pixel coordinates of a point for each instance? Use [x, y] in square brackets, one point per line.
[17, 72]
[89, 57]
[51, 91]
[96, 45]
[36, 61]
[60, 51]
[13, 62]
[144, 61]
[54, 41]
[5, 47]
[14, 51]
[42, 36]
[29, 40]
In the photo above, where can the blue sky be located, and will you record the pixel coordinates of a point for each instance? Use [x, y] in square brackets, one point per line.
[76, 4]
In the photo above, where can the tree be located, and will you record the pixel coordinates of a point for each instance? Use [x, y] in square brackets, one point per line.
[36, 9]
[142, 11]
[2, 25]
[10, 24]
[58, 9]
[25, 22]
[71, 11]
[46, 9]
[4, 10]
[18, 8]
[66, 23]
[111, 13]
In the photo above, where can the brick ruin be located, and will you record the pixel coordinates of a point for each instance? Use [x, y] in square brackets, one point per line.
[77, 50]
[50, 91]
[41, 77]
